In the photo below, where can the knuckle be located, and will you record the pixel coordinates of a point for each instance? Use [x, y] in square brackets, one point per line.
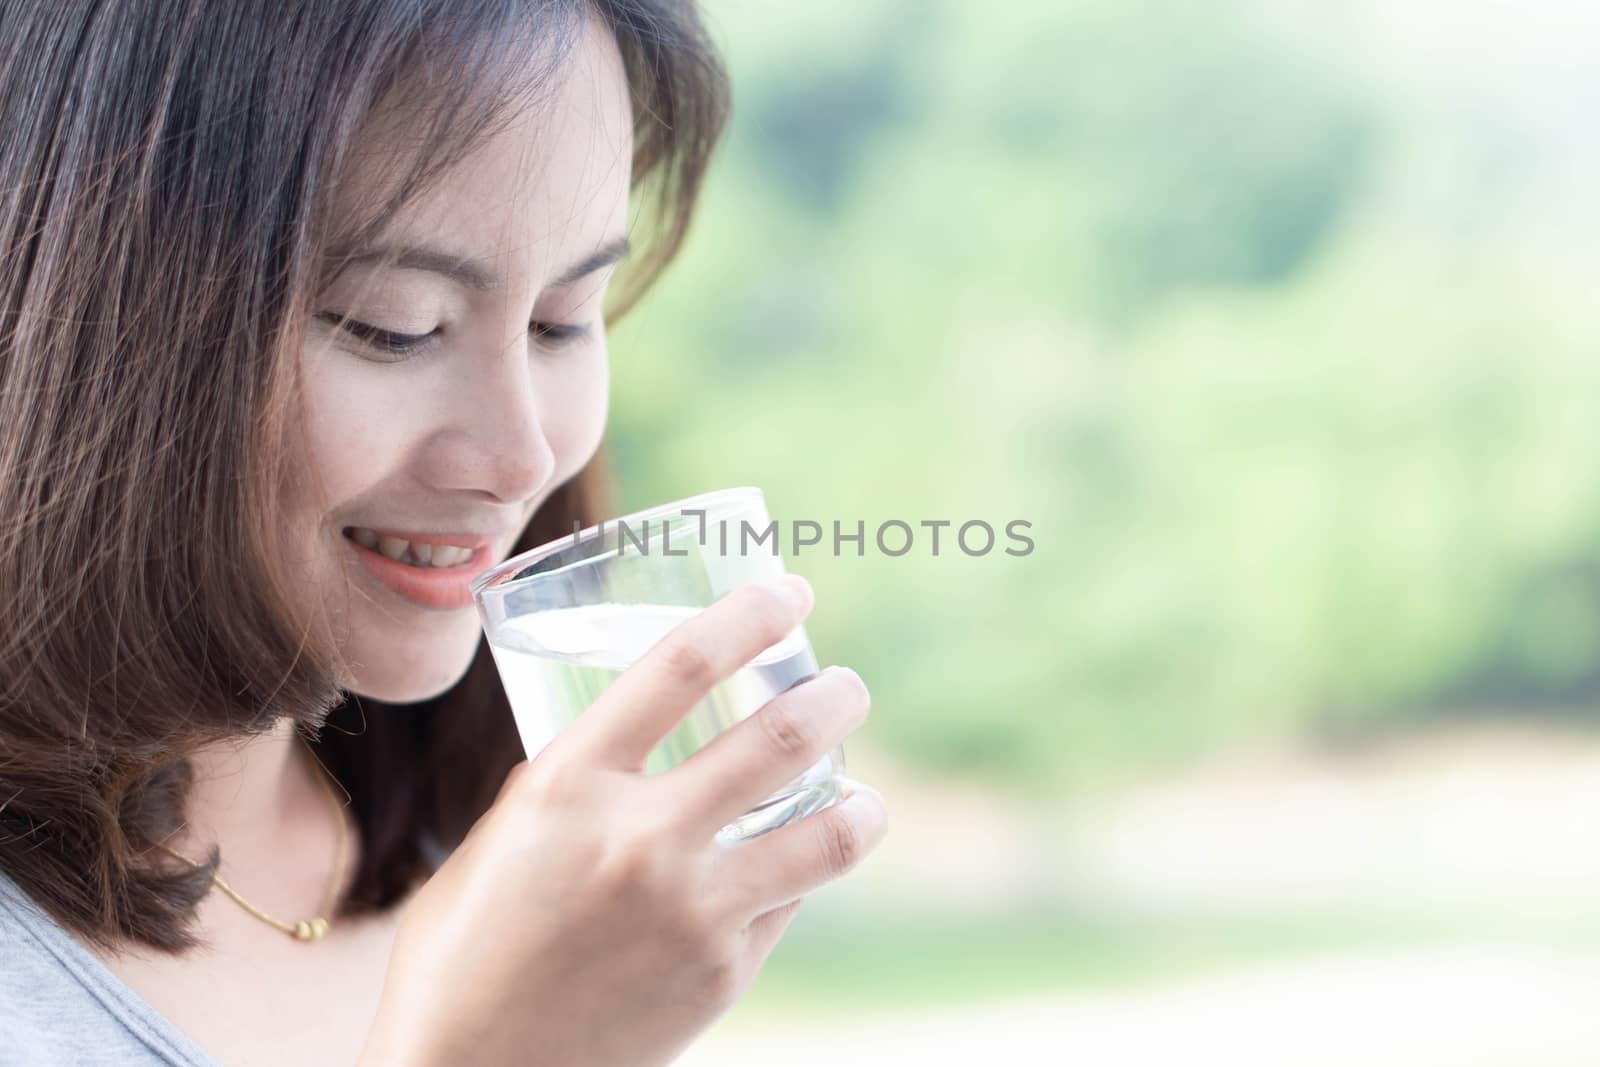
[632, 872]
[526, 786]
[516, 780]
[787, 731]
[840, 843]
[690, 664]
[646, 863]
[547, 784]
[652, 824]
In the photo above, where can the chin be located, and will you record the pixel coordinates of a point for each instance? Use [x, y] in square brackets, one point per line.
[405, 672]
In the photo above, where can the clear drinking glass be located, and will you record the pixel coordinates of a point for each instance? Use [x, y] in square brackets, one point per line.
[565, 619]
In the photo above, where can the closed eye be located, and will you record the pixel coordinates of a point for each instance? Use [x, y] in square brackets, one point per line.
[389, 341]
[392, 342]
[556, 334]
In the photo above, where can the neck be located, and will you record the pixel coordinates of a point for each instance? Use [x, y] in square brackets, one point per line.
[250, 797]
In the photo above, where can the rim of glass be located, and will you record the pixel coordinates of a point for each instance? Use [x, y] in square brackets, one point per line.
[492, 576]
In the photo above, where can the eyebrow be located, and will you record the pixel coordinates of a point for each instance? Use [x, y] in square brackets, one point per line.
[475, 274]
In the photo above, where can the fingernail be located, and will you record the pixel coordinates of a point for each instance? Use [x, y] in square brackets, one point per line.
[796, 587]
[850, 787]
[863, 799]
[840, 668]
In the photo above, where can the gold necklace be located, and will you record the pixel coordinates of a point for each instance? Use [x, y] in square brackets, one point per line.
[305, 929]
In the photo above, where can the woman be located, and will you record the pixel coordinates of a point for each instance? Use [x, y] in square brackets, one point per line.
[302, 326]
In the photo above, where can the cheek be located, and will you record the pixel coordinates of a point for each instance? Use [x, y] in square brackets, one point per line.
[348, 436]
[575, 414]
[352, 430]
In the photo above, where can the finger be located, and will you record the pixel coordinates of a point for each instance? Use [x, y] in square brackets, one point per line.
[651, 697]
[754, 758]
[776, 868]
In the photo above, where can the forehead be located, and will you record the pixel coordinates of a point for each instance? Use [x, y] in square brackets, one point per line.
[548, 180]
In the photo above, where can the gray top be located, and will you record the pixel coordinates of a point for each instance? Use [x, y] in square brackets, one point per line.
[61, 1007]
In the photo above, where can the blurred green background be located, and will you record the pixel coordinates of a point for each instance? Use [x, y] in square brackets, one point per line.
[1277, 321]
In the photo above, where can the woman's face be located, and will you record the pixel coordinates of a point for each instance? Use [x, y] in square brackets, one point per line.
[480, 387]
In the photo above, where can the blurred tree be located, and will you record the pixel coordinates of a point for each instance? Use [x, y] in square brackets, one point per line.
[1284, 358]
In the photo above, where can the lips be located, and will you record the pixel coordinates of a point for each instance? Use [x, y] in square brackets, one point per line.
[427, 585]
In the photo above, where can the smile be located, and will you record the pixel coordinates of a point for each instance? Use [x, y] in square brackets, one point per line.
[429, 570]
[414, 553]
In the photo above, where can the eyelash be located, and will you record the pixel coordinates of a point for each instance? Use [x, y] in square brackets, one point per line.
[553, 334]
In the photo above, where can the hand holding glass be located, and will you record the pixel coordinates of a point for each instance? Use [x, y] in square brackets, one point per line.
[564, 620]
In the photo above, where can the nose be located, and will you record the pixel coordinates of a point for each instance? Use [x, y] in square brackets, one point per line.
[493, 442]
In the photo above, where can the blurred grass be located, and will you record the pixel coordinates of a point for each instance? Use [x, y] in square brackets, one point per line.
[861, 966]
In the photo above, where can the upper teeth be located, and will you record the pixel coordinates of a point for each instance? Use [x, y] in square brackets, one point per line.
[416, 553]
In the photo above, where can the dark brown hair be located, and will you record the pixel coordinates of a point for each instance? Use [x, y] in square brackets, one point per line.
[167, 172]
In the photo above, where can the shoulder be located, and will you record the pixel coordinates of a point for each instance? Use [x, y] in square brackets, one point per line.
[30, 970]
[63, 1007]
[45, 1005]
